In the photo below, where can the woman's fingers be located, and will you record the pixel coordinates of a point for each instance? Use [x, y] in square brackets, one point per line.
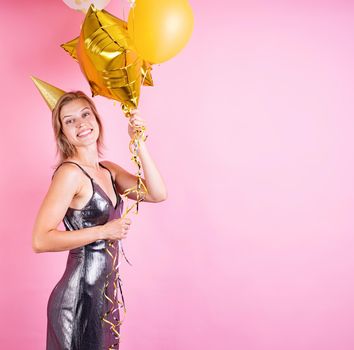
[134, 112]
[134, 115]
[137, 121]
[126, 224]
[126, 220]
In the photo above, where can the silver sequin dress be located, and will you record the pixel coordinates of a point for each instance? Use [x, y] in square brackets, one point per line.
[77, 302]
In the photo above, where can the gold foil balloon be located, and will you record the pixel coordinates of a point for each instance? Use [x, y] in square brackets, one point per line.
[146, 74]
[160, 28]
[83, 5]
[50, 93]
[70, 48]
[108, 59]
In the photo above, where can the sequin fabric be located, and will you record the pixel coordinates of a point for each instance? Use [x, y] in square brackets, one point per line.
[77, 303]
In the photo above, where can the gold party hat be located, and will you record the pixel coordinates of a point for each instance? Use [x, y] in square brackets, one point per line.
[50, 93]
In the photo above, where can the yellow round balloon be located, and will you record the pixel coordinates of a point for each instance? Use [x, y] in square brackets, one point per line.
[160, 28]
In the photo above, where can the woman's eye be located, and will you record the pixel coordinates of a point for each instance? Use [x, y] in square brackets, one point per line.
[69, 121]
[86, 114]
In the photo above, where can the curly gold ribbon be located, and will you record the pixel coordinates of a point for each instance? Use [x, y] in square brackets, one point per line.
[141, 191]
[116, 304]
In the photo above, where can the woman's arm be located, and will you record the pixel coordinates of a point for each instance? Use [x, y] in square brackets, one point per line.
[45, 236]
[65, 185]
[157, 191]
[153, 181]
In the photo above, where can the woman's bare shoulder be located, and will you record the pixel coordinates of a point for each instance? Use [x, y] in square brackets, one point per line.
[67, 172]
[113, 167]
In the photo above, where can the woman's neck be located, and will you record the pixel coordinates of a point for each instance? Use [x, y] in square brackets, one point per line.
[87, 157]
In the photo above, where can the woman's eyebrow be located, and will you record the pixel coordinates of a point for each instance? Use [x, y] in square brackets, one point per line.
[66, 116]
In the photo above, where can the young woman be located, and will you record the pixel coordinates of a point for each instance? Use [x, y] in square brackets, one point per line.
[85, 195]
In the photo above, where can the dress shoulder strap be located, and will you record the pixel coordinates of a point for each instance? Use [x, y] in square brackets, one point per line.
[107, 169]
[84, 171]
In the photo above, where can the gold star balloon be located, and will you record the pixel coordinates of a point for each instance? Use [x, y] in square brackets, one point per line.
[70, 48]
[108, 59]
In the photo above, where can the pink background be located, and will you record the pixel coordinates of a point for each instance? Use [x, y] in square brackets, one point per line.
[252, 129]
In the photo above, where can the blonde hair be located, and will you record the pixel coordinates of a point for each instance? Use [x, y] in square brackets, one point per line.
[64, 148]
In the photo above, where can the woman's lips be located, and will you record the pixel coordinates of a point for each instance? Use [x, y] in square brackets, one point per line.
[84, 133]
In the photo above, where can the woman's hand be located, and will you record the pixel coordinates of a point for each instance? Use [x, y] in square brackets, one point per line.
[116, 229]
[135, 122]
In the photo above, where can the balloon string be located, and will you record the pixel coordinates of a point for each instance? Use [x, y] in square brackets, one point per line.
[116, 304]
[144, 76]
[140, 190]
[132, 8]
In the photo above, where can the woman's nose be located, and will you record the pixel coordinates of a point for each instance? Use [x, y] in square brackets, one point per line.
[80, 121]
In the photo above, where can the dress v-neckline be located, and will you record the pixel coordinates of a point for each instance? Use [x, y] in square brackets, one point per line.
[106, 195]
[113, 185]
[94, 182]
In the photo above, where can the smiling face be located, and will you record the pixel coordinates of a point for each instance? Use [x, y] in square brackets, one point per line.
[76, 123]
[79, 123]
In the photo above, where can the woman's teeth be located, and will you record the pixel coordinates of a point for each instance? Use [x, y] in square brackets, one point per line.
[84, 133]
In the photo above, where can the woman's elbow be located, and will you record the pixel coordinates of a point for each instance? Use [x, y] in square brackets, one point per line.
[36, 245]
[164, 197]
[36, 248]
[161, 197]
